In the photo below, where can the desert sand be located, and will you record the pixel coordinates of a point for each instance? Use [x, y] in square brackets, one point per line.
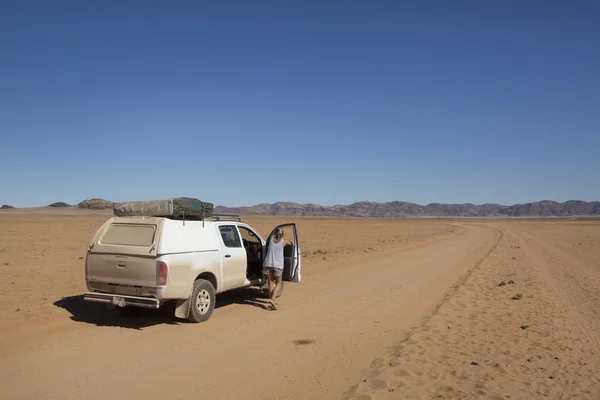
[398, 309]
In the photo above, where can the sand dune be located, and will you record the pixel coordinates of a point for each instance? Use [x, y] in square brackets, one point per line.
[387, 309]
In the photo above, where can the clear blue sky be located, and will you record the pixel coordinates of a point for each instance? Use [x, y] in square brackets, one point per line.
[310, 101]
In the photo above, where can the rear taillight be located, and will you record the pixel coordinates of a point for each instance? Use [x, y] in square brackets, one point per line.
[162, 271]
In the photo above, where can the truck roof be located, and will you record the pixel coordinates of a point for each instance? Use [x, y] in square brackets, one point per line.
[167, 236]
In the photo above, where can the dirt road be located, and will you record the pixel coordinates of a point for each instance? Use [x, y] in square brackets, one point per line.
[415, 309]
[524, 325]
[328, 329]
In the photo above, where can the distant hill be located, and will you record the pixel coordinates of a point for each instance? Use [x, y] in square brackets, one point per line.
[59, 204]
[399, 209]
[6, 207]
[95, 204]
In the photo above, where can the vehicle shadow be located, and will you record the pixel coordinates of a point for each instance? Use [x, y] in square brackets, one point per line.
[140, 318]
[130, 318]
[246, 296]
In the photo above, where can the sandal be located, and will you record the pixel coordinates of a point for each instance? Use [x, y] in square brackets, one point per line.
[273, 306]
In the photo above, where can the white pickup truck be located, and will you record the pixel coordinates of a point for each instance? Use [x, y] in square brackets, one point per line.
[144, 261]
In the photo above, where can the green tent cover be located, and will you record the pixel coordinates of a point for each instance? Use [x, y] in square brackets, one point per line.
[176, 208]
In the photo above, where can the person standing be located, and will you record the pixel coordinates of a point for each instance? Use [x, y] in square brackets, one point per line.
[273, 264]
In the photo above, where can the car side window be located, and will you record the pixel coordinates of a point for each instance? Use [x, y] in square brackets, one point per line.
[230, 236]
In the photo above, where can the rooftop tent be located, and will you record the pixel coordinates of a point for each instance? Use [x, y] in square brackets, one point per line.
[176, 208]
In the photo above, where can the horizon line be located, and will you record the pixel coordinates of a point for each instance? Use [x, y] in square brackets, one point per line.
[320, 205]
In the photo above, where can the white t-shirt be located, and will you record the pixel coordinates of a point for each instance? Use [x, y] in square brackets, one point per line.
[274, 257]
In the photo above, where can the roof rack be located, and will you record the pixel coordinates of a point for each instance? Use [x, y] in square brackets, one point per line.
[224, 217]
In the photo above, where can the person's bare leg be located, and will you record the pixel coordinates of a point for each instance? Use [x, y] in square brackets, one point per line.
[275, 291]
[270, 284]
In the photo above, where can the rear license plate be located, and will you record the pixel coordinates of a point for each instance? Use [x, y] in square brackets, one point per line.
[118, 301]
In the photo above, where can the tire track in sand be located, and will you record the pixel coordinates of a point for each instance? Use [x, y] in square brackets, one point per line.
[355, 391]
[483, 344]
[565, 278]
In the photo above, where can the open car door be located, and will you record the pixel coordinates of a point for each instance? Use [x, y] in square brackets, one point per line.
[291, 254]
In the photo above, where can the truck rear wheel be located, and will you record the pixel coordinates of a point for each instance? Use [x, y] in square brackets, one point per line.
[202, 301]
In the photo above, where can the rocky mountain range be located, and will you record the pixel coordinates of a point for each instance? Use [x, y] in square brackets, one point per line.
[399, 209]
[394, 209]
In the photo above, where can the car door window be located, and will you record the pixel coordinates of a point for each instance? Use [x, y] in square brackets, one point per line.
[248, 236]
[230, 236]
[251, 242]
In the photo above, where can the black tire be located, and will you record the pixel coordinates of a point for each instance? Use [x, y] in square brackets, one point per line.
[202, 301]
[266, 290]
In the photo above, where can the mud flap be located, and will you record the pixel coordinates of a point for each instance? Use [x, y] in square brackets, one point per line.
[182, 309]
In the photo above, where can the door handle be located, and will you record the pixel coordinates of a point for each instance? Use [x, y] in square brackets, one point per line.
[227, 255]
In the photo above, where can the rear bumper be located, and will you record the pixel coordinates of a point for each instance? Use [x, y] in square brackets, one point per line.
[121, 300]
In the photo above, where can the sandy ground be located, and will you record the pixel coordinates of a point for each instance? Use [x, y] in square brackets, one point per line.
[402, 309]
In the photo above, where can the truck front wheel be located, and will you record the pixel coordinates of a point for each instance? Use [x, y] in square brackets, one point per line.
[202, 301]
